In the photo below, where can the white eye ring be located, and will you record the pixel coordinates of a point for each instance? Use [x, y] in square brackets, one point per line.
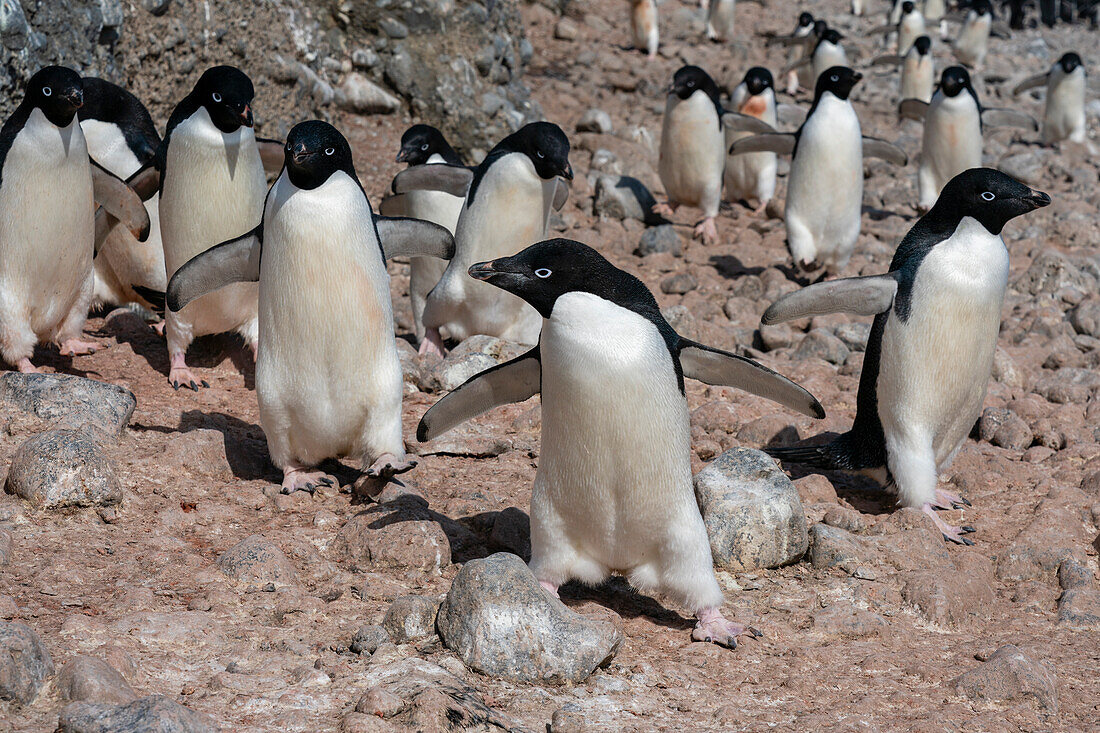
[217, 97]
[330, 151]
[543, 273]
[988, 196]
[539, 153]
[424, 146]
[834, 77]
[691, 83]
[46, 91]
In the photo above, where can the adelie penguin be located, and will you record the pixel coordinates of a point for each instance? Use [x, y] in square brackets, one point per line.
[49, 189]
[509, 197]
[644, 26]
[720, 19]
[752, 176]
[328, 379]
[972, 43]
[909, 27]
[1064, 116]
[917, 73]
[801, 42]
[825, 185]
[826, 54]
[930, 350]
[953, 123]
[613, 492]
[425, 145]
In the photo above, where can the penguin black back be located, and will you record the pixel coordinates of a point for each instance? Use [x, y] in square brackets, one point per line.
[544, 143]
[111, 103]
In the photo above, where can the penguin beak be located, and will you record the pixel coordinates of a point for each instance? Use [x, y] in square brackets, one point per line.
[1036, 200]
[567, 171]
[246, 116]
[402, 155]
[482, 270]
[75, 98]
[300, 154]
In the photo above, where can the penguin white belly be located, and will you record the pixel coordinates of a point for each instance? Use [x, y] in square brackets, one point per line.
[935, 366]
[827, 56]
[692, 153]
[934, 10]
[911, 28]
[328, 379]
[805, 74]
[1064, 117]
[952, 143]
[752, 175]
[825, 186]
[509, 212]
[917, 77]
[613, 490]
[213, 191]
[720, 18]
[644, 26]
[973, 40]
[46, 233]
[858, 7]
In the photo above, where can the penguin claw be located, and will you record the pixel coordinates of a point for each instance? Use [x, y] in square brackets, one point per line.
[204, 383]
[967, 529]
[714, 628]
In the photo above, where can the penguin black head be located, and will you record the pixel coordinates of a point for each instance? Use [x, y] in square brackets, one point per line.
[547, 270]
[955, 80]
[691, 79]
[820, 28]
[757, 79]
[982, 7]
[227, 94]
[831, 35]
[923, 44]
[57, 91]
[1069, 62]
[805, 19]
[838, 81]
[421, 142]
[907, 7]
[314, 151]
[545, 144]
[107, 102]
[987, 195]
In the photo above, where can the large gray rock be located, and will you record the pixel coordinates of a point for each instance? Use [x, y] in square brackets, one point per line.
[1010, 675]
[69, 402]
[661, 238]
[153, 714]
[24, 663]
[501, 622]
[473, 356]
[257, 562]
[359, 94]
[623, 197]
[92, 679]
[63, 468]
[1085, 318]
[1051, 271]
[752, 511]
[410, 617]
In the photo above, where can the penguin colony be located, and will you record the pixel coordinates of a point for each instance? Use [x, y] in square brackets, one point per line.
[96, 208]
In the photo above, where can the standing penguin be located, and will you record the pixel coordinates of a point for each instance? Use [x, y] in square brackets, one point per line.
[1064, 117]
[212, 189]
[509, 198]
[425, 145]
[858, 7]
[917, 73]
[692, 155]
[644, 26]
[937, 316]
[802, 42]
[752, 176]
[972, 43]
[720, 16]
[328, 379]
[909, 27]
[613, 492]
[48, 233]
[825, 185]
[827, 53]
[122, 138]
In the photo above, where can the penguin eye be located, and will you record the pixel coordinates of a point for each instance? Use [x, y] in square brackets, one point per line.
[424, 147]
[539, 153]
[988, 196]
[330, 151]
[834, 78]
[216, 97]
[46, 91]
[543, 273]
[691, 84]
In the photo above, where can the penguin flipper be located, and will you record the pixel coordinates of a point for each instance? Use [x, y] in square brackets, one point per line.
[887, 60]
[775, 142]
[406, 237]
[746, 123]
[998, 117]
[913, 109]
[512, 381]
[452, 179]
[864, 296]
[271, 154]
[715, 367]
[145, 181]
[561, 195]
[1031, 82]
[790, 114]
[875, 148]
[234, 261]
[795, 66]
[1000, 30]
[119, 201]
[392, 205]
[888, 28]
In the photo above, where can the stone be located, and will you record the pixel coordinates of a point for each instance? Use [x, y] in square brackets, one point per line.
[501, 622]
[661, 238]
[359, 94]
[1069, 385]
[753, 514]
[566, 30]
[1013, 433]
[950, 599]
[24, 663]
[821, 344]
[595, 120]
[679, 283]
[1051, 271]
[63, 401]
[411, 617]
[623, 197]
[368, 638]
[1006, 370]
[156, 7]
[92, 679]
[1026, 167]
[834, 547]
[1085, 318]
[380, 702]
[569, 719]
[681, 319]
[1079, 608]
[152, 714]
[401, 534]
[257, 563]
[1009, 675]
[512, 531]
[6, 543]
[14, 30]
[854, 335]
[849, 622]
[394, 28]
[63, 468]
[473, 356]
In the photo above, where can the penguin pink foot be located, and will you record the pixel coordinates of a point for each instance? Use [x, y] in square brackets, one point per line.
[299, 478]
[707, 231]
[25, 367]
[947, 500]
[387, 466]
[665, 210]
[762, 208]
[76, 347]
[158, 327]
[716, 628]
[180, 375]
[432, 343]
[550, 588]
[950, 533]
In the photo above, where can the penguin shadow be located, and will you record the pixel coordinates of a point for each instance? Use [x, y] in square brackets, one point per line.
[875, 214]
[617, 594]
[244, 443]
[732, 268]
[411, 507]
[48, 355]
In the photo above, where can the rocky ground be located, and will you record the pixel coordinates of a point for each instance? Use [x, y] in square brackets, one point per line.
[150, 570]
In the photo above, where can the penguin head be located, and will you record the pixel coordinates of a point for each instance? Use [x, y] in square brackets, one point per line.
[982, 7]
[907, 7]
[549, 269]
[838, 81]
[820, 28]
[987, 195]
[831, 35]
[690, 79]
[110, 103]
[57, 91]
[421, 142]
[805, 20]
[226, 92]
[923, 44]
[545, 144]
[757, 79]
[314, 151]
[1070, 62]
[954, 81]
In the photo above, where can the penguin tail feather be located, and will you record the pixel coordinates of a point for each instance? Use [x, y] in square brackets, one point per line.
[838, 455]
[155, 298]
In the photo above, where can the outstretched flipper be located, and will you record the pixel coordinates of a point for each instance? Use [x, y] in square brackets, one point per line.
[512, 381]
[1031, 82]
[738, 122]
[864, 296]
[776, 142]
[271, 154]
[401, 236]
[712, 366]
[561, 195]
[1000, 30]
[120, 201]
[235, 261]
[392, 205]
[913, 109]
[802, 62]
[790, 114]
[888, 28]
[998, 117]
[887, 60]
[875, 148]
[452, 179]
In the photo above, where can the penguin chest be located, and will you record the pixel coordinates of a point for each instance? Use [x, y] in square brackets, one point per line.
[692, 150]
[971, 45]
[751, 175]
[615, 435]
[936, 362]
[1065, 107]
[952, 137]
[825, 188]
[643, 17]
[108, 146]
[916, 77]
